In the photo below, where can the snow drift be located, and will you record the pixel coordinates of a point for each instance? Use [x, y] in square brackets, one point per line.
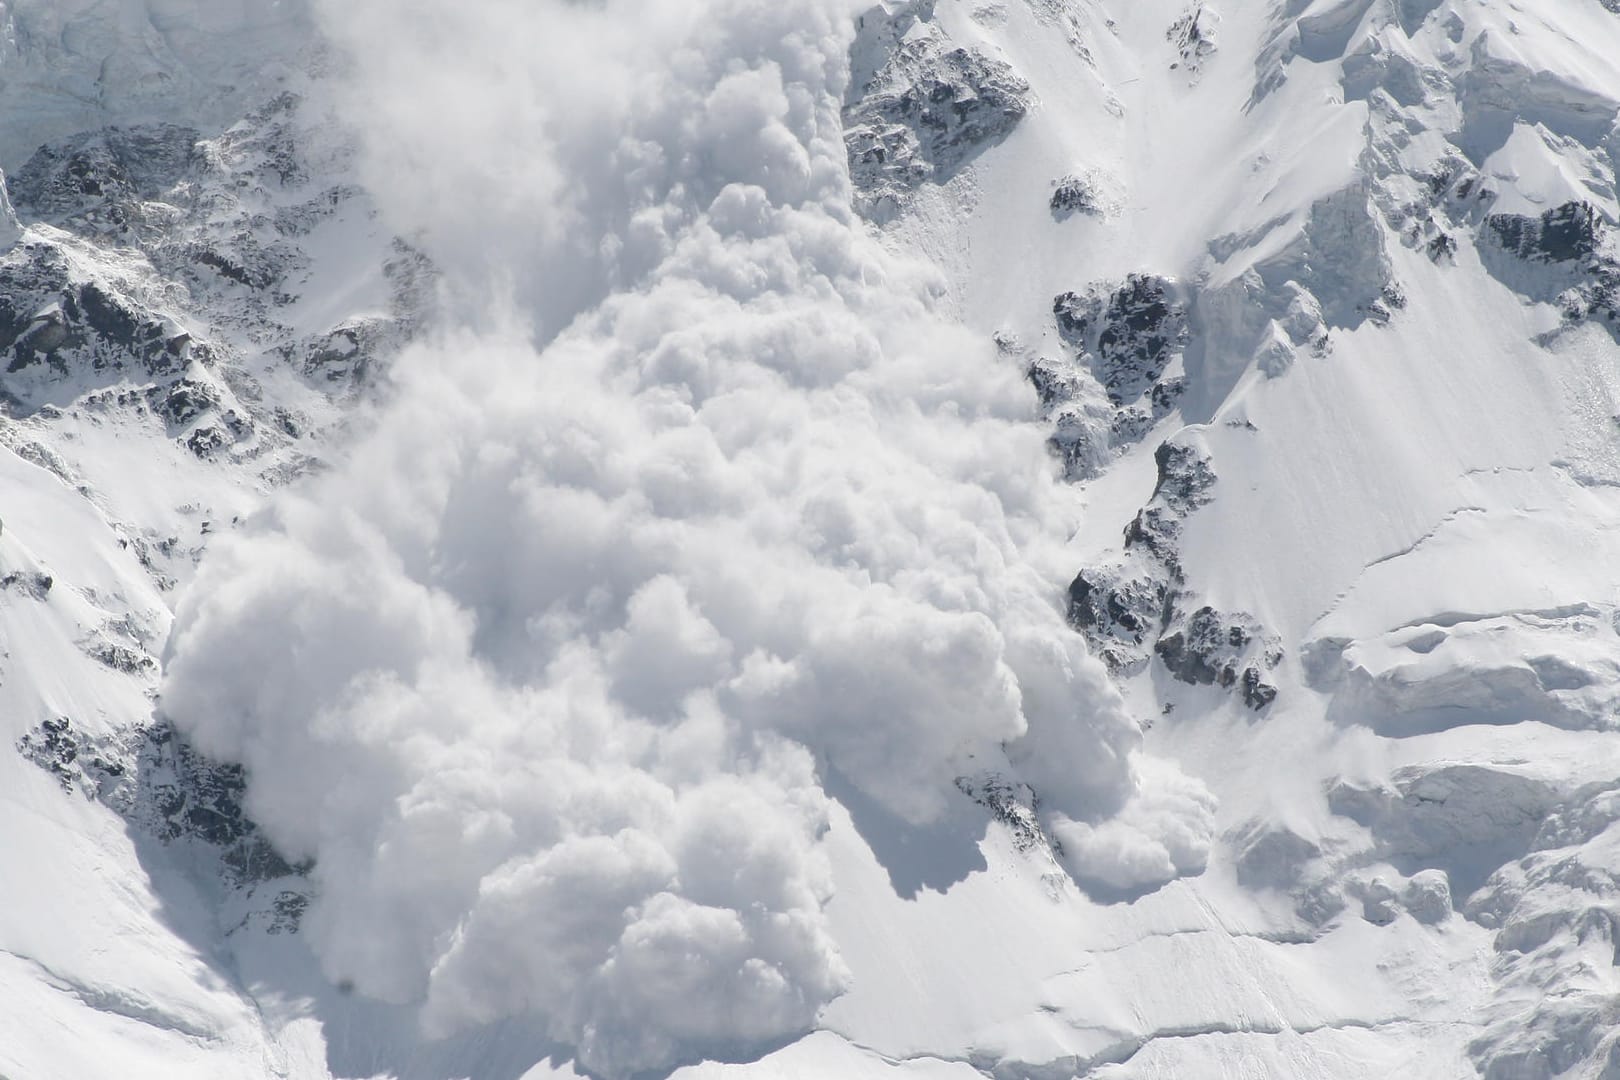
[695, 501]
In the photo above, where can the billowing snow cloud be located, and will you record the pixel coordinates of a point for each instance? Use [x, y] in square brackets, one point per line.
[706, 503]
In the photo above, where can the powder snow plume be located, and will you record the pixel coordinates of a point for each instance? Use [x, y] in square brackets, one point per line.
[709, 502]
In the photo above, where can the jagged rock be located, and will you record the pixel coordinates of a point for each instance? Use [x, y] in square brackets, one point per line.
[162, 786]
[344, 354]
[1121, 607]
[1561, 256]
[1567, 233]
[179, 258]
[1128, 335]
[1133, 422]
[1013, 803]
[1119, 611]
[1111, 389]
[1065, 391]
[58, 748]
[98, 182]
[1442, 247]
[1194, 37]
[1257, 693]
[120, 657]
[1210, 647]
[29, 583]
[1185, 477]
[1074, 195]
[927, 111]
[1126, 608]
[49, 317]
[181, 403]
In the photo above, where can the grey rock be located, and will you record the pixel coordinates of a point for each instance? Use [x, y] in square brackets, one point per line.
[1185, 477]
[1119, 611]
[925, 113]
[97, 181]
[1214, 648]
[1566, 233]
[1127, 335]
[1127, 609]
[29, 583]
[1013, 803]
[167, 791]
[1073, 195]
[1194, 37]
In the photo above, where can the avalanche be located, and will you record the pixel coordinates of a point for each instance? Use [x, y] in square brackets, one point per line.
[1024, 538]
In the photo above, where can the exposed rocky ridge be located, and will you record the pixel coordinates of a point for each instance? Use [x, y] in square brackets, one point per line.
[921, 107]
[166, 791]
[1194, 37]
[162, 282]
[1116, 378]
[222, 222]
[1140, 606]
[169, 280]
[1130, 338]
[1207, 647]
[1073, 195]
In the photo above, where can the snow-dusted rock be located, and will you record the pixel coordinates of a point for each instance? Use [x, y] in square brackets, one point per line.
[928, 109]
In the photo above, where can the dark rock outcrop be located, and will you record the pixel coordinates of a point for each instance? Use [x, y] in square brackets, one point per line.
[1214, 648]
[1128, 335]
[1568, 233]
[927, 111]
[1073, 195]
[1136, 607]
[166, 790]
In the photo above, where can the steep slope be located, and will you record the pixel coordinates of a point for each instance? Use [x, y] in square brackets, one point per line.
[1380, 494]
[661, 666]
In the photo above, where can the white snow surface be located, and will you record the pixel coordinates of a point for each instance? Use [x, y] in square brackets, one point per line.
[637, 673]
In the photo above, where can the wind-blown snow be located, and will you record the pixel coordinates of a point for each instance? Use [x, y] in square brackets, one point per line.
[706, 505]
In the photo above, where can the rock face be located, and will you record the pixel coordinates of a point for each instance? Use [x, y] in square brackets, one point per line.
[1122, 607]
[99, 182]
[928, 109]
[1208, 647]
[1194, 38]
[1125, 341]
[1127, 336]
[1565, 255]
[1566, 233]
[1140, 606]
[167, 791]
[164, 264]
[1073, 195]
[160, 286]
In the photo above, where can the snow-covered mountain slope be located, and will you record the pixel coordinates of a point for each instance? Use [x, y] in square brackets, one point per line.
[1029, 538]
